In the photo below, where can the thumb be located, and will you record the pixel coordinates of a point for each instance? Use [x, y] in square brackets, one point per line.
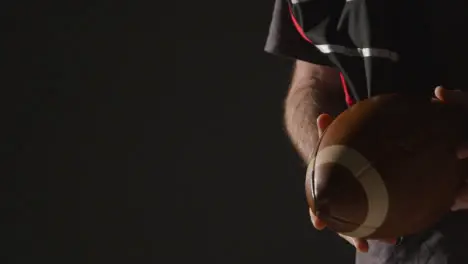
[451, 96]
[318, 224]
[323, 121]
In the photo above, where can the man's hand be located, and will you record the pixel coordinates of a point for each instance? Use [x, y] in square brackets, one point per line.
[459, 98]
[323, 121]
[461, 202]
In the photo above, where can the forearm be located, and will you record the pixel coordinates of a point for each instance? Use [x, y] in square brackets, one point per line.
[309, 97]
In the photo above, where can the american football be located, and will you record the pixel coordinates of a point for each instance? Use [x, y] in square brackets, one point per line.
[387, 167]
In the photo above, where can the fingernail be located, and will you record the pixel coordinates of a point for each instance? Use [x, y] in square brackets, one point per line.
[362, 248]
[319, 226]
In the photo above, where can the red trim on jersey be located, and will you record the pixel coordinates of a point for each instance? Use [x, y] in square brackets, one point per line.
[348, 98]
[298, 27]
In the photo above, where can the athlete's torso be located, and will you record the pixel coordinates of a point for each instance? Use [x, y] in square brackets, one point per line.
[401, 46]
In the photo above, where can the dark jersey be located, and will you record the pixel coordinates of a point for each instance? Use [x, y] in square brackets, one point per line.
[378, 46]
[385, 46]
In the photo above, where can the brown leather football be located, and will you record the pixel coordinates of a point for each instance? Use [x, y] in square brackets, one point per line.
[387, 167]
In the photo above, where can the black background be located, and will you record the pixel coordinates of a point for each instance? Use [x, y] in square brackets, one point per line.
[110, 106]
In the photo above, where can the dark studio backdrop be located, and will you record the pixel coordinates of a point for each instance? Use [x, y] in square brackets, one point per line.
[243, 182]
[105, 102]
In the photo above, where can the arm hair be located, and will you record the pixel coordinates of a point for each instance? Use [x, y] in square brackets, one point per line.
[314, 90]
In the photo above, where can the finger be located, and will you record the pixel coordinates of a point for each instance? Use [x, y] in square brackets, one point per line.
[361, 245]
[439, 93]
[451, 96]
[323, 121]
[318, 224]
